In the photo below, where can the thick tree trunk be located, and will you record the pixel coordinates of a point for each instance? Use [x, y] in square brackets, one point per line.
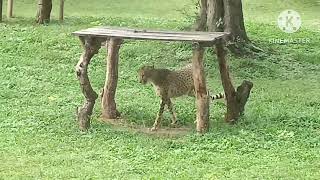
[44, 11]
[61, 11]
[215, 15]
[227, 16]
[9, 8]
[202, 19]
[1, 3]
[234, 22]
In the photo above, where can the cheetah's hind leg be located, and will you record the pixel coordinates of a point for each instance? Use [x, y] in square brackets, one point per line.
[159, 116]
[172, 111]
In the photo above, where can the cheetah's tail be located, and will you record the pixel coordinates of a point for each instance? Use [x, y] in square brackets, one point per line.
[218, 96]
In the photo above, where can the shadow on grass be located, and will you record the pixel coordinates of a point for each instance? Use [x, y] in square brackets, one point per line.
[124, 125]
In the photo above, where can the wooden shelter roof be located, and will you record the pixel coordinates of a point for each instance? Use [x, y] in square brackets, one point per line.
[125, 33]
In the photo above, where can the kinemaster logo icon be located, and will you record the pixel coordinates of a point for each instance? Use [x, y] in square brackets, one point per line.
[289, 21]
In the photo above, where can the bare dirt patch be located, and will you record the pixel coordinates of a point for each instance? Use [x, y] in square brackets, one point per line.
[123, 125]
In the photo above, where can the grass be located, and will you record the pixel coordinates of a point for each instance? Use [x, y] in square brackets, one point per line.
[278, 138]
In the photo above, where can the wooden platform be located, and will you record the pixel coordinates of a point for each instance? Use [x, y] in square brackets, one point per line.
[125, 33]
[91, 40]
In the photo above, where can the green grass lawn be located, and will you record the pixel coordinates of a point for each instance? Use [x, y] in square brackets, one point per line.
[278, 138]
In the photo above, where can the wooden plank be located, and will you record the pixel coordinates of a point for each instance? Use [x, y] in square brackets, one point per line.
[151, 38]
[152, 33]
[130, 31]
[106, 32]
[155, 31]
[166, 37]
[147, 35]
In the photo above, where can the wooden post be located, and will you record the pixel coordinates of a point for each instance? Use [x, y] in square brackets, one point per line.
[1, 3]
[109, 107]
[236, 100]
[202, 100]
[91, 47]
[61, 12]
[9, 8]
[232, 110]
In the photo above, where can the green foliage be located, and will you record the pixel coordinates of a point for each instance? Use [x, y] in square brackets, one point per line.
[278, 138]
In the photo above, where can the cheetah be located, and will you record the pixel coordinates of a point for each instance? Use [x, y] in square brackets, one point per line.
[170, 84]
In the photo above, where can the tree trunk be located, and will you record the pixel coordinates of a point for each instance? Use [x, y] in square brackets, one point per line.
[227, 16]
[1, 3]
[44, 11]
[61, 12]
[234, 22]
[202, 19]
[215, 15]
[9, 8]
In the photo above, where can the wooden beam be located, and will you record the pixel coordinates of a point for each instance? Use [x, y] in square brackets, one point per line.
[1, 3]
[91, 47]
[202, 100]
[9, 8]
[61, 12]
[109, 106]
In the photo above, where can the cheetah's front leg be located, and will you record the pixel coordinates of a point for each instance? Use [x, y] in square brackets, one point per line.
[159, 116]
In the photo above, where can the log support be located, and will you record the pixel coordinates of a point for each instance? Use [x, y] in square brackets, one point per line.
[109, 107]
[202, 99]
[236, 100]
[91, 47]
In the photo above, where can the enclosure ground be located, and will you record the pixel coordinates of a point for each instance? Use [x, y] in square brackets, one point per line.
[278, 137]
[123, 125]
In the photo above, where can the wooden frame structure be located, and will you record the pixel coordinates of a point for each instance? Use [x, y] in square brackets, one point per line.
[91, 40]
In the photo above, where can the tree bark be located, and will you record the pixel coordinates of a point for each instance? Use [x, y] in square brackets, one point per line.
[202, 19]
[202, 100]
[234, 21]
[10, 8]
[61, 11]
[215, 15]
[227, 16]
[109, 107]
[44, 11]
[1, 3]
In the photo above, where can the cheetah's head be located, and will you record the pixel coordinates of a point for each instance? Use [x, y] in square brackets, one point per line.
[145, 73]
